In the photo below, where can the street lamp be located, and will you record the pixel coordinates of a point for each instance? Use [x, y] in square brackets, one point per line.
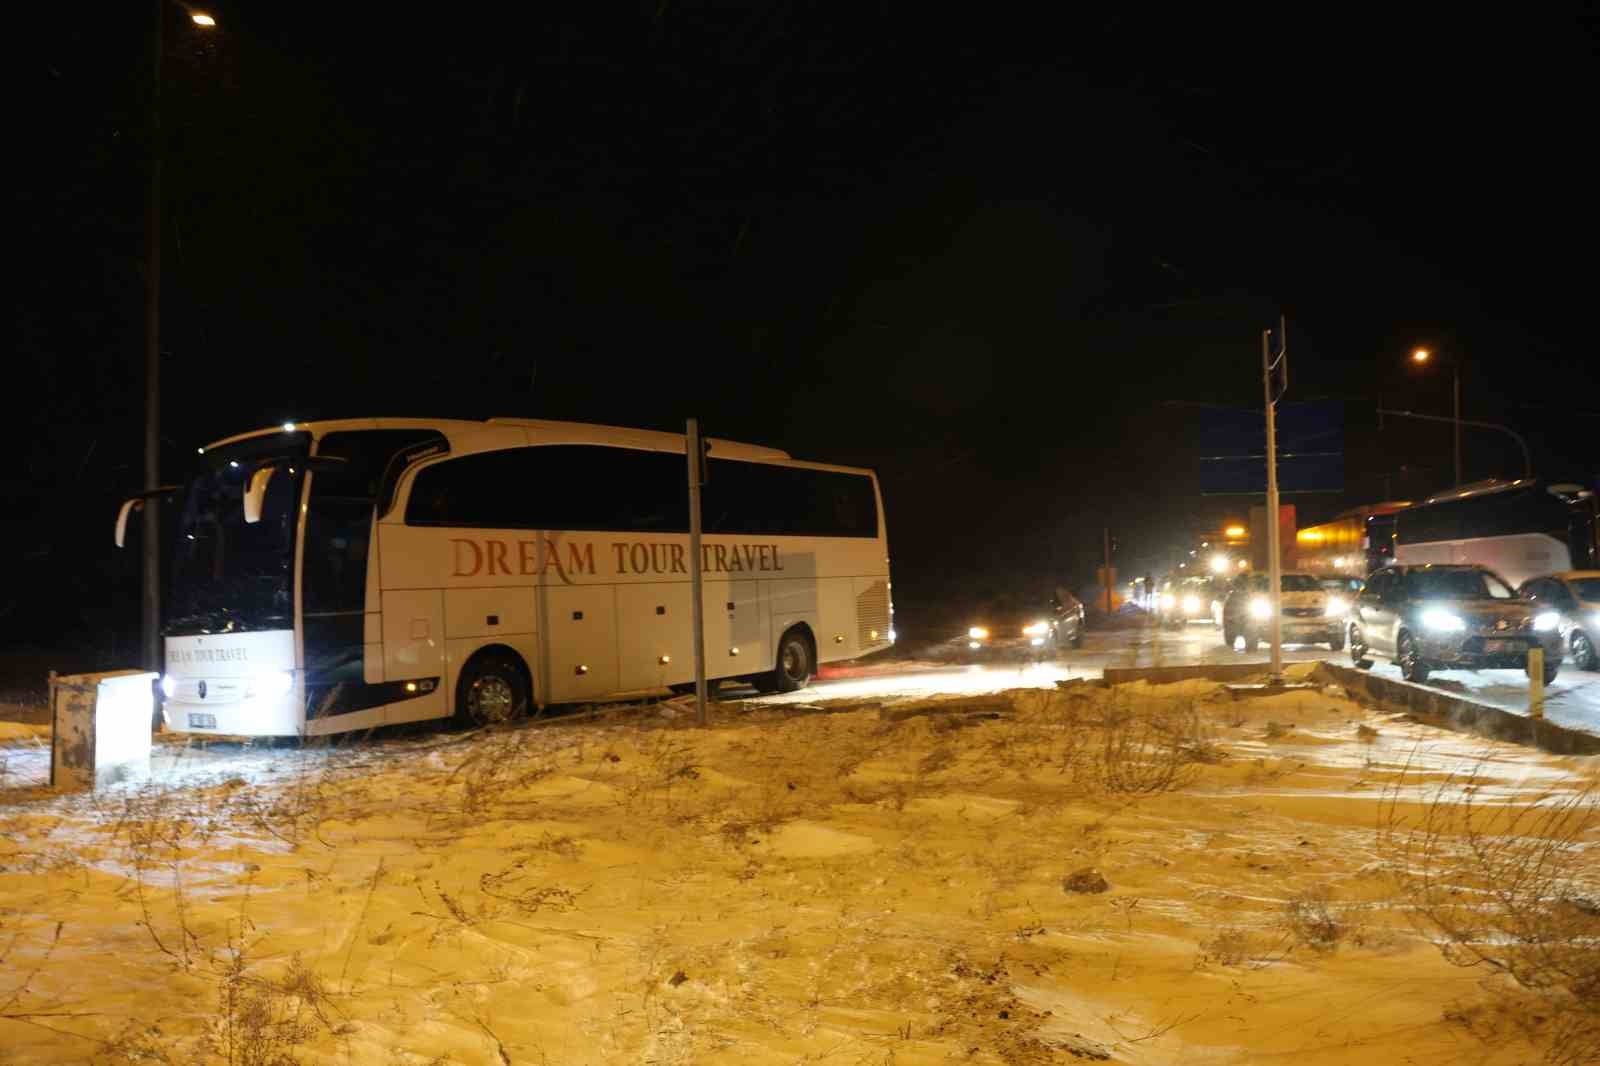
[1422, 356]
[150, 585]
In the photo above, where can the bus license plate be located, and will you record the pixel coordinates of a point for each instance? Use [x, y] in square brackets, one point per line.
[1492, 646]
[202, 721]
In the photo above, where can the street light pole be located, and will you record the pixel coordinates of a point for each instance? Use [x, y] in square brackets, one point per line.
[1421, 356]
[150, 581]
[150, 600]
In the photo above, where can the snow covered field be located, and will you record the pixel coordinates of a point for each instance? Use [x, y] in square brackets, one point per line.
[1141, 874]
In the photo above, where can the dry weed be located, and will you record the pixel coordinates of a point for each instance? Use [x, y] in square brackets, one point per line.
[1143, 748]
[1512, 888]
[1311, 920]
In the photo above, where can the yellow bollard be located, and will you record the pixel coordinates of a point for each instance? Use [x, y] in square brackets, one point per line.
[1536, 682]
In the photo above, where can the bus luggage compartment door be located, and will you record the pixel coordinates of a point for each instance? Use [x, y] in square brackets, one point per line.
[580, 628]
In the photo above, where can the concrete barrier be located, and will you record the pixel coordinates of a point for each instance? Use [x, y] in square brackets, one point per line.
[1425, 704]
[1453, 712]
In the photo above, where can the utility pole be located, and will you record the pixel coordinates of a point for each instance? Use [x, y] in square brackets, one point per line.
[1274, 560]
[1107, 575]
[150, 600]
[695, 455]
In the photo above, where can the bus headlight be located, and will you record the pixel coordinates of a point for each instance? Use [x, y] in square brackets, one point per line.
[274, 684]
[1037, 629]
[1261, 608]
[1191, 604]
[1336, 607]
[1169, 601]
[169, 686]
[1545, 621]
[1442, 620]
[978, 633]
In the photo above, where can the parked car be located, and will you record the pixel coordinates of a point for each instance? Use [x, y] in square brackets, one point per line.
[1024, 623]
[1448, 617]
[1247, 612]
[1187, 601]
[1575, 596]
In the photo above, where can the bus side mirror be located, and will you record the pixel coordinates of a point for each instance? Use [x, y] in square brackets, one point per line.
[256, 493]
[127, 508]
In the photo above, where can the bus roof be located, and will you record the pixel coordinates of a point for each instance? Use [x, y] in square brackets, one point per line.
[467, 436]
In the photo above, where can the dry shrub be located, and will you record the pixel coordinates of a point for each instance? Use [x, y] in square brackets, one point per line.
[502, 767]
[1312, 921]
[1142, 747]
[1511, 888]
[261, 1021]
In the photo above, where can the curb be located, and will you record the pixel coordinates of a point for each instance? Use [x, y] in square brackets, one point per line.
[1165, 675]
[1452, 712]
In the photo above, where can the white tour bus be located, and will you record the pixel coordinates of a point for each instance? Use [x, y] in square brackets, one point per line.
[1519, 529]
[339, 575]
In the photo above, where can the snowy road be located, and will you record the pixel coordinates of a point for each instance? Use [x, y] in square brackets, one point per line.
[1573, 700]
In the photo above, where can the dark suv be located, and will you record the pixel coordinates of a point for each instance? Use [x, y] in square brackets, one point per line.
[1449, 617]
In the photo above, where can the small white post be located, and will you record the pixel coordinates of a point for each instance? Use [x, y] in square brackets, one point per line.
[1536, 682]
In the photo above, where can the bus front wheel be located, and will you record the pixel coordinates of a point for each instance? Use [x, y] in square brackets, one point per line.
[492, 690]
[793, 669]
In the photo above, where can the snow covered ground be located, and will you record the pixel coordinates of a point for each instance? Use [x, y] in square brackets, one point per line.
[913, 881]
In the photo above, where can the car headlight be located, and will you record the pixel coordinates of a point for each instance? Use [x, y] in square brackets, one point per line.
[169, 686]
[1037, 629]
[1545, 621]
[1336, 607]
[1169, 601]
[978, 633]
[273, 684]
[1191, 604]
[1261, 608]
[1442, 620]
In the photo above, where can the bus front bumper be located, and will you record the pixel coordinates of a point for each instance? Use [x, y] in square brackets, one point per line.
[260, 715]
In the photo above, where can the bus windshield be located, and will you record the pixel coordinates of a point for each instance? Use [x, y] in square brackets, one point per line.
[1457, 585]
[229, 575]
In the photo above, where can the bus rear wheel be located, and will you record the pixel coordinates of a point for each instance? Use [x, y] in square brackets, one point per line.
[492, 690]
[793, 669]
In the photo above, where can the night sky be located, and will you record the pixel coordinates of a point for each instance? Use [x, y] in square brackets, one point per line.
[1001, 257]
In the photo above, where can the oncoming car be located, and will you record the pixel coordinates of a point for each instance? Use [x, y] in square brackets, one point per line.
[1310, 614]
[1025, 624]
[1575, 596]
[1450, 616]
[1187, 601]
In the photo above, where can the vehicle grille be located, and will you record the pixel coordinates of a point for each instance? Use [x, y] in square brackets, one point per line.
[872, 614]
[1302, 612]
